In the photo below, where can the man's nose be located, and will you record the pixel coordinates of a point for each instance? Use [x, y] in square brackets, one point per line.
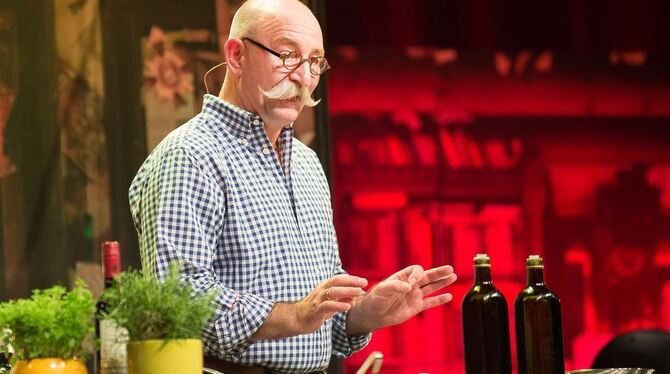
[302, 74]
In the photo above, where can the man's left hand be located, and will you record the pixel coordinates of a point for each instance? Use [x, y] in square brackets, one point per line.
[399, 298]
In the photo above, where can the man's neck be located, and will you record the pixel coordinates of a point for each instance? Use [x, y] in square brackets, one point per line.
[273, 135]
[230, 95]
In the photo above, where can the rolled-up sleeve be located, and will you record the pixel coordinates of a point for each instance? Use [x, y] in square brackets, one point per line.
[344, 345]
[233, 325]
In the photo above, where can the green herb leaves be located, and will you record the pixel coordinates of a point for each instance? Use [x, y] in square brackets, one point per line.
[152, 309]
[52, 323]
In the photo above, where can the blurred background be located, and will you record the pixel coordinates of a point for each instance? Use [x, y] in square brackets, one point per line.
[447, 128]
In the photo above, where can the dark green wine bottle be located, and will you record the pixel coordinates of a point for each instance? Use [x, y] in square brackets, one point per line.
[539, 331]
[485, 324]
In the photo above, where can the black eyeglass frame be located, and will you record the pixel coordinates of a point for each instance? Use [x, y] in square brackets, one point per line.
[283, 56]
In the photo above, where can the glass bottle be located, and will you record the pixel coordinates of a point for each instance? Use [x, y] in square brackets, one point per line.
[111, 357]
[485, 324]
[539, 331]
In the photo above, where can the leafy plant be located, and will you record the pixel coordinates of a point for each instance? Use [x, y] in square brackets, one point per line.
[152, 309]
[54, 322]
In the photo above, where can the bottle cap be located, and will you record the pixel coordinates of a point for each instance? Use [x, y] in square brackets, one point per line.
[111, 259]
[534, 261]
[482, 259]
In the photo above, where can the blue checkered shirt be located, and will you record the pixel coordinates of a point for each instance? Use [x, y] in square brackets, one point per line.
[214, 196]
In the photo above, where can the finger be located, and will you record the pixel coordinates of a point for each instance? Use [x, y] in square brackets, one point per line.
[346, 280]
[349, 301]
[412, 272]
[402, 274]
[438, 285]
[416, 275]
[392, 286]
[432, 302]
[435, 274]
[339, 293]
[331, 306]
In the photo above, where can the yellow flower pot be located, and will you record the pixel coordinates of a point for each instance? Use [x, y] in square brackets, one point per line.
[182, 356]
[49, 366]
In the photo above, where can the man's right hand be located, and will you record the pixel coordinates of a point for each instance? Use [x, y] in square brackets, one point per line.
[334, 295]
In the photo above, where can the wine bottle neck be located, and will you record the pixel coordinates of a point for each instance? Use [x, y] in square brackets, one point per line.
[109, 282]
[535, 276]
[111, 270]
[482, 274]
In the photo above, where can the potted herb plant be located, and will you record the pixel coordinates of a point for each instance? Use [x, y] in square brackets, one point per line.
[164, 320]
[49, 333]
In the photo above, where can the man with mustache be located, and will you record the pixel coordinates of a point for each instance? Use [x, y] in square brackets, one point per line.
[245, 208]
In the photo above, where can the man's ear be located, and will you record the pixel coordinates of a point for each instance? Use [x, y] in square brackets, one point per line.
[234, 50]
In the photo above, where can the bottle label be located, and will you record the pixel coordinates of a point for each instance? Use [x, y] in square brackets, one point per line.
[113, 340]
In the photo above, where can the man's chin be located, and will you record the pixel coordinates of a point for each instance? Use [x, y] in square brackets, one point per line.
[288, 112]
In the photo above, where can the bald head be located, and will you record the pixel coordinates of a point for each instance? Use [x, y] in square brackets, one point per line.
[254, 13]
[263, 34]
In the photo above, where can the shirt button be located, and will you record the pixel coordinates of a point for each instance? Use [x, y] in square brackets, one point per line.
[256, 122]
[245, 142]
[266, 151]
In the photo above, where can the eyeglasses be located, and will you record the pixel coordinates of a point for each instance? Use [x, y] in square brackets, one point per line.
[292, 59]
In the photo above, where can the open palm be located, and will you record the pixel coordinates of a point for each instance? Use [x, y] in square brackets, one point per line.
[405, 294]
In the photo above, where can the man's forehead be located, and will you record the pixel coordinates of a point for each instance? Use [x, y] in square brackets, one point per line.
[287, 40]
